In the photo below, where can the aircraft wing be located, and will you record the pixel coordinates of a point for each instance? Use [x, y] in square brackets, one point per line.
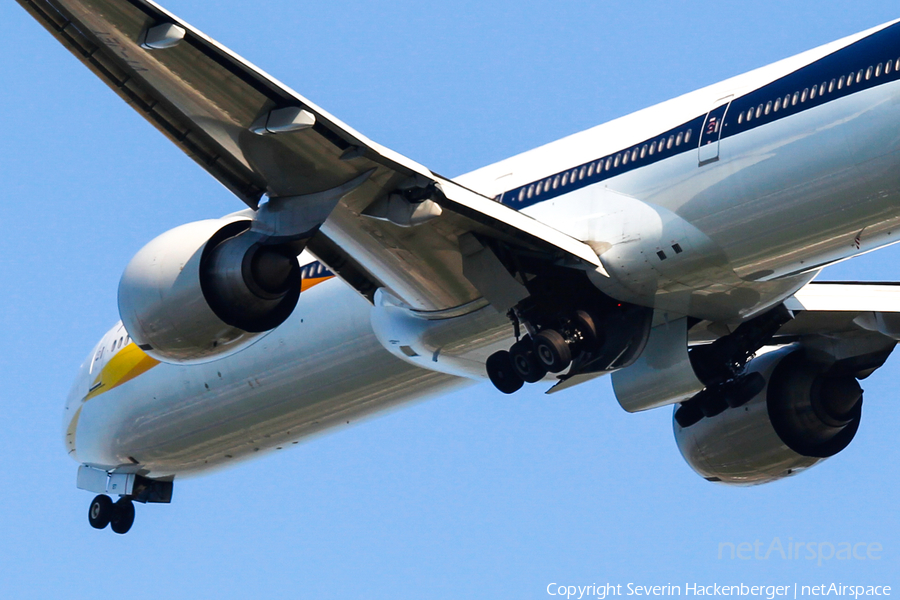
[836, 310]
[260, 138]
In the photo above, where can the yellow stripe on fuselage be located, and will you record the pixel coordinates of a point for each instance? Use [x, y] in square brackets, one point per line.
[131, 361]
[125, 365]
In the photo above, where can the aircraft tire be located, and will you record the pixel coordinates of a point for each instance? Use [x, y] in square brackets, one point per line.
[552, 350]
[524, 361]
[123, 516]
[100, 512]
[502, 373]
[588, 328]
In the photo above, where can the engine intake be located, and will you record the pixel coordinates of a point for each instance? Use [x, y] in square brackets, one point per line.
[805, 413]
[207, 289]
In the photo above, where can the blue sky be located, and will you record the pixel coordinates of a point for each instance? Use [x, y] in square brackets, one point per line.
[467, 495]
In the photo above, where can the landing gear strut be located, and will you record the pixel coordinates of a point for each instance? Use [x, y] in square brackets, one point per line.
[119, 515]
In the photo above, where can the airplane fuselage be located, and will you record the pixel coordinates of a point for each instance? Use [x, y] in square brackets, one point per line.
[717, 205]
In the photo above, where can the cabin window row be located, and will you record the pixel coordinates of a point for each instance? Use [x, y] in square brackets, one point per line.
[811, 93]
[605, 164]
[120, 343]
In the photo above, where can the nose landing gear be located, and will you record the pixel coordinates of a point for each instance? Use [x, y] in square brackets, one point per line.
[119, 515]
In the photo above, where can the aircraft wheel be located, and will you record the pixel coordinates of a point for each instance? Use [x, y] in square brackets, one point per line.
[525, 362]
[588, 328]
[100, 511]
[552, 350]
[502, 373]
[123, 515]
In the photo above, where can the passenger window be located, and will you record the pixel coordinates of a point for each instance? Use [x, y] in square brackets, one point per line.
[831, 86]
[804, 95]
[530, 191]
[687, 136]
[897, 65]
[617, 160]
[777, 106]
[556, 181]
[741, 118]
[768, 107]
[878, 69]
[840, 84]
[679, 139]
[787, 101]
[565, 180]
[581, 173]
[822, 89]
[670, 142]
[634, 155]
[625, 158]
[869, 72]
[795, 99]
[590, 169]
[813, 92]
[750, 115]
[644, 151]
[859, 76]
[609, 162]
[521, 194]
[887, 66]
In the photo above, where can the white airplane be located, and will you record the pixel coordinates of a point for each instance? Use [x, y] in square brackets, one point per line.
[673, 248]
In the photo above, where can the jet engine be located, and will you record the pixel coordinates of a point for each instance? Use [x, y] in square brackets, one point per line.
[804, 413]
[207, 289]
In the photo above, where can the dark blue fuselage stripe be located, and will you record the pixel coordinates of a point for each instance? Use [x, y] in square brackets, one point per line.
[878, 48]
[315, 269]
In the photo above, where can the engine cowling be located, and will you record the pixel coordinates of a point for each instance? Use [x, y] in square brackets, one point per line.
[207, 289]
[804, 414]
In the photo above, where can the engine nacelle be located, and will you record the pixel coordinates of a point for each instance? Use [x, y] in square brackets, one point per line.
[207, 289]
[804, 414]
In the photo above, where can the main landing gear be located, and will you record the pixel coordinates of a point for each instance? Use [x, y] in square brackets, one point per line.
[118, 515]
[549, 350]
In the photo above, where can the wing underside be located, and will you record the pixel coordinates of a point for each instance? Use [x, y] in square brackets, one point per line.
[261, 139]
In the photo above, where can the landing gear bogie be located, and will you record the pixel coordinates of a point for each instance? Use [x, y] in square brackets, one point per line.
[549, 349]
